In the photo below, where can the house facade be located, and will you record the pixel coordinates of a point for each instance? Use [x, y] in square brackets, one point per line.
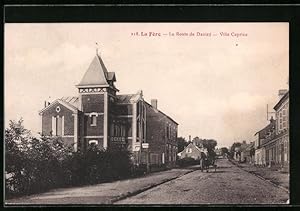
[275, 137]
[192, 151]
[99, 116]
[260, 137]
[242, 153]
[277, 145]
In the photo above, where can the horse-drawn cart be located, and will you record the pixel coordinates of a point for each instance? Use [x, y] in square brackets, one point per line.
[207, 160]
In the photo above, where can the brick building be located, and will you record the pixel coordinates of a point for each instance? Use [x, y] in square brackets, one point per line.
[99, 116]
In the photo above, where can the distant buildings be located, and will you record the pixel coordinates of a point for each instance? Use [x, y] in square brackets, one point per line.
[192, 151]
[260, 136]
[243, 153]
[272, 145]
[99, 116]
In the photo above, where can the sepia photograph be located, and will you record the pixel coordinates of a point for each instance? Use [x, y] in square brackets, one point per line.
[146, 113]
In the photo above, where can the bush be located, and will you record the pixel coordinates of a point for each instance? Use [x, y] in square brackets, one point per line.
[187, 162]
[35, 165]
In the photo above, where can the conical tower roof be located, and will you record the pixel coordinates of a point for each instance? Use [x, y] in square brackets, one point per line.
[96, 74]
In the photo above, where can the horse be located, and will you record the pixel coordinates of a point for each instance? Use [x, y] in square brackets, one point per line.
[207, 160]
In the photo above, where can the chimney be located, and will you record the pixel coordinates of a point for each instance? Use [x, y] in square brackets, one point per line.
[272, 119]
[45, 103]
[244, 142]
[140, 92]
[282, 92]
[154, 103]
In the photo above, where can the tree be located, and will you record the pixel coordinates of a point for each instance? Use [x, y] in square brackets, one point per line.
[233, 148]
[209, 144]
[32, 164]
[16, 137]
[181, 143]
[224, 150]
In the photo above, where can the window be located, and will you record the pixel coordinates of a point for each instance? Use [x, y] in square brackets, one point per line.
[170, 153]
[122, 130]
[138, 130]
[168, 130]
[143, 130]
[116, 130]
[282, 118]
[112, 129]
[93, 117]
[57, 109]
[93, 142]
[58, 125]
[93, 120]
[154, 158]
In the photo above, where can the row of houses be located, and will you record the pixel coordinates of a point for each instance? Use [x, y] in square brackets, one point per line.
[244, 152]
[101, 117]
[272, 142]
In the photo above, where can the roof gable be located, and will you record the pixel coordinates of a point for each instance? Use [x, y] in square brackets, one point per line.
[96, 74]
[262, 133]
[59, 101]
[281, 101]
[158, 111]
[192, 146]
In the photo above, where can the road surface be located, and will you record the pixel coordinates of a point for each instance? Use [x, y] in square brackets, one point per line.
[229, 185]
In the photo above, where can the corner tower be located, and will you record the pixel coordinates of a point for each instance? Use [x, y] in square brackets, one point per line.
[96, 89]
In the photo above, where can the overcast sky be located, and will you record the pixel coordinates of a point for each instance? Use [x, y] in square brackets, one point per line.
[214, 87]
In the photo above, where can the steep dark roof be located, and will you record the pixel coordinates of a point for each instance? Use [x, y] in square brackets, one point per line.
[161, 112]
[126, 99]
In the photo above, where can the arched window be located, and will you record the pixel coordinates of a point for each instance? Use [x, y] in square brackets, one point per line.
[93, 142]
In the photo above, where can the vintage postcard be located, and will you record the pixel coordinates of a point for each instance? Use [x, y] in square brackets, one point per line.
[146, 113]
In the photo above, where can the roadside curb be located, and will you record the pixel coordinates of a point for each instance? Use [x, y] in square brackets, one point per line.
[262, 178]
[134, 193]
